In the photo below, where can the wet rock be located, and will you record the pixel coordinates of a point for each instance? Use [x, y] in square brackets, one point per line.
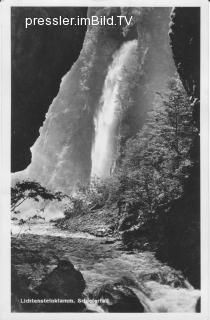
[173, 279]
[64, 282]
[117, 298]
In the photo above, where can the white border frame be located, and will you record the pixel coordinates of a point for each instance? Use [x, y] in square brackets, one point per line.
[5, 156]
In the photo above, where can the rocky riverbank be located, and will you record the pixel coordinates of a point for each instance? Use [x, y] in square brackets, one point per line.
[108, 271]
[101, 223]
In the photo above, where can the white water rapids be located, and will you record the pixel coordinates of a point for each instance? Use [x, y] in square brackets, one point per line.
[106, 118]
[103, 263]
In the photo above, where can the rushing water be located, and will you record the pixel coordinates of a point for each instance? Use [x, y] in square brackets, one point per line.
[101, 262]
[46, 229]
[106, 118]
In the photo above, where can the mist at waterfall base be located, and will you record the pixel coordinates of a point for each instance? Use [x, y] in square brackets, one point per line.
[47, 209]
[106, 120]
[104, 149]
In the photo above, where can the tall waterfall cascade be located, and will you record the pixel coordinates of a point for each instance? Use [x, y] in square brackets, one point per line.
[106, 120]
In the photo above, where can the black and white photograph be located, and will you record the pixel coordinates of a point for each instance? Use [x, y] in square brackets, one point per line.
[105, 159]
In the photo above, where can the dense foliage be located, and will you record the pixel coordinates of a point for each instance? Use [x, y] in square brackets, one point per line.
[153, 164]
[92, 196]
[157, 160]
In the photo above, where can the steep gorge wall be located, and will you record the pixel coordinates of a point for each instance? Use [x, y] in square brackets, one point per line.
[40, 57]
[182, 227]
[156, 66]
[61, 156]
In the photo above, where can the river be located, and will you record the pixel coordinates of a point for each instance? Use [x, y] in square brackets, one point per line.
[101, 260]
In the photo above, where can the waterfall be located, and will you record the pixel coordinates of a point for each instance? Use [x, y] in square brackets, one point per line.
[106, 119]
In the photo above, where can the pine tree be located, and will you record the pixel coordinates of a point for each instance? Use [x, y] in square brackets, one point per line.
[157, 159]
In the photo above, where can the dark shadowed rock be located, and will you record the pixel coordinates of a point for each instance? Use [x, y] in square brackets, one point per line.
[41, 55]
[185, 43]
[182, 248]
[174, 279]
[119, 298]
[64, 282]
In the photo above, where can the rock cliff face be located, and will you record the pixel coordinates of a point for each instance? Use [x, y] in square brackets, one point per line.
[40, 57]
[61, 156]
[156, 65]
[185, 43]
[182, 243]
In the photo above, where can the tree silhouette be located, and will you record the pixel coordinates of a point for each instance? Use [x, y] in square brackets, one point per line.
[26, 189]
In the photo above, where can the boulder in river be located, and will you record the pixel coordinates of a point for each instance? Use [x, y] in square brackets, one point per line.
[117, 298]
[63, 282]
